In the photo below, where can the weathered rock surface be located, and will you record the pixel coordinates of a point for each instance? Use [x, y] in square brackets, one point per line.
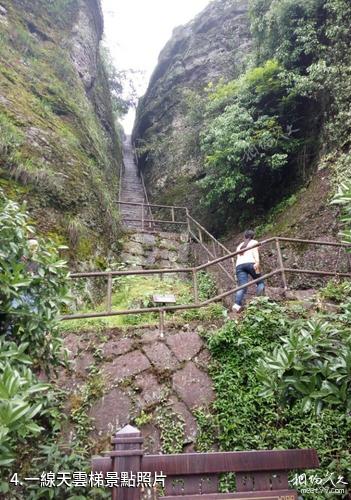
[142, 377]
[151, 391]
[126, 366]
[211, 47]
[160, 356]
[193, 386]
[59, 111]
[185, 345]
[86, 35]
[111, 412]
[115, 348]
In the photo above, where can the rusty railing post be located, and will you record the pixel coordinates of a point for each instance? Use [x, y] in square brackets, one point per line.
[234, 265]
[109, 293]
[188, 223]
[162, 323]
[196, 291]
[214, 249]
[200, 235]
[281, 264]
[126, 457]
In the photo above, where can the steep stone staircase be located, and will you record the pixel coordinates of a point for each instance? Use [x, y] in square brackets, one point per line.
[144, 247]
[131, 189]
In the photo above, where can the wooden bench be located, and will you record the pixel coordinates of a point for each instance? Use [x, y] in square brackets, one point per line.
[195, 476]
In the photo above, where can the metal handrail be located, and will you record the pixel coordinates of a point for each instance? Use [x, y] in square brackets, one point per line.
[145, 191]
[193, 270]
[146, 198]
[212, 256]
[208, 234]
[151, 205]
[120, 183]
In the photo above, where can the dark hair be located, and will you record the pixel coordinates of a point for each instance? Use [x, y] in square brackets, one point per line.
[249, 234]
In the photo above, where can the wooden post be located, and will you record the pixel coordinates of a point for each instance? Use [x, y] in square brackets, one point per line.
[173, 214]
[281, 265]
[142, 217]
[196, 292]
[109, 293]
[214, 249]
[126, 457]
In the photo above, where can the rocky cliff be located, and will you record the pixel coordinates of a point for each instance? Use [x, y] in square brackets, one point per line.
[58, 145]
[212, 47]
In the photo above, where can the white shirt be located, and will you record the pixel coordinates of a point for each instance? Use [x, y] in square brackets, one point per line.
[249, 255]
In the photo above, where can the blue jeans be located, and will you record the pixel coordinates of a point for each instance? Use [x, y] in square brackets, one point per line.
[243, 271]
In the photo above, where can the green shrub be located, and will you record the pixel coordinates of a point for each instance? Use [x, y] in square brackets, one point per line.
[336, 291]
[343, 198]
[244, 419]
[29, 340]
[250, 141]
[312, 366]
[33, 288]
[206, 285]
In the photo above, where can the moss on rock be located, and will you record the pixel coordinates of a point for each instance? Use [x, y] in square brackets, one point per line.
[59, 149]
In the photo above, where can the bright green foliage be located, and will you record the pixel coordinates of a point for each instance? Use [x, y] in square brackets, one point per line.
[343, 198]
[251, 141]
[143, 419]
[311, 40]
[289, 29]
[30, 343]
[243, 419]
[261, 134]
[19, 404]
[312, 366]
[206, 285]
[29, 340]
[51, 457]
[171, 426]
[207, 430]
[135, 292]
[30, 300]
[336, 291]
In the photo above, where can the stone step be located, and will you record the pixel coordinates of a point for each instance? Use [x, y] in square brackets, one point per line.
[132, 189]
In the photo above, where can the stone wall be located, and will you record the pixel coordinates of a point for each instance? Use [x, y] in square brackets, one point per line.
[155, 250]
[143, 377]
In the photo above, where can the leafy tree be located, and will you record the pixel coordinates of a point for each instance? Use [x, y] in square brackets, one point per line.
[250, 145]
[290, 30]
[121, 85]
